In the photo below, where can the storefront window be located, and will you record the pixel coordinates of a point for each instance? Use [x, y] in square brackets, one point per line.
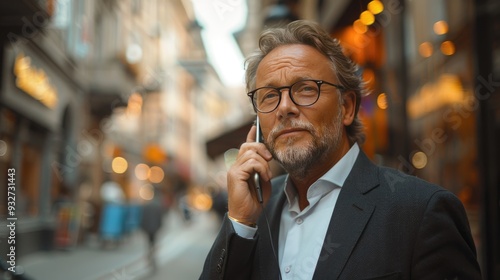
[29, 185]
[20, 150]
[441, 104]
[7, 121]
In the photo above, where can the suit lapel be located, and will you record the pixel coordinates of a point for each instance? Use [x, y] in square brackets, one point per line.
[350, 216]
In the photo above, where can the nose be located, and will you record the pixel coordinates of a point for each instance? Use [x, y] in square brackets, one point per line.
[287, 107]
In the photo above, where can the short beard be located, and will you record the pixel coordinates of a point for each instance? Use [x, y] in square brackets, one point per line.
[297, 161]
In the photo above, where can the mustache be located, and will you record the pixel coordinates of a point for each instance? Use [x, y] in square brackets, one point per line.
[288, 125]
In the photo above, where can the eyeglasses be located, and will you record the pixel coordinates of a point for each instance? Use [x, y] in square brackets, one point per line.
[302, 93]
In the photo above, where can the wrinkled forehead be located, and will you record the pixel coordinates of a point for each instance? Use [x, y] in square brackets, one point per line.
[289, 63]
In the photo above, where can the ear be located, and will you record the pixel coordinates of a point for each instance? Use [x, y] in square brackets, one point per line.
[349, 107]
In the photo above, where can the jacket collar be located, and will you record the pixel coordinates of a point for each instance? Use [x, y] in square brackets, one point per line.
[350, 216]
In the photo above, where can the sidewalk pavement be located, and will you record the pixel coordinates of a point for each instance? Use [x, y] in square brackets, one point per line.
[129, 259]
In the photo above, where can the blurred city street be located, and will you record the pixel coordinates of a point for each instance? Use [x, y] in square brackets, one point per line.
[180, 252]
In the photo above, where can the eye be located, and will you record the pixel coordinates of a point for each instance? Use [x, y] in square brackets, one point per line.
[266, 95]
[305, 87]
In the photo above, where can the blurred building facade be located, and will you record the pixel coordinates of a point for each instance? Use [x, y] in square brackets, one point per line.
[42, 112]
[93, 91]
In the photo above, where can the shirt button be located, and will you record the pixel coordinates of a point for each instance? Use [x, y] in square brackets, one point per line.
[288, 269]
[299, 221]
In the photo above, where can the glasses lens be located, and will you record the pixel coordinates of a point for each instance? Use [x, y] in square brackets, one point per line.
[266, 99]
[305, 93]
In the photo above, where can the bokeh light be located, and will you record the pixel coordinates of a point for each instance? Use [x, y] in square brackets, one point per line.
[419, 160]
[375, 7]
[156, 174]
[142, 171]
[147, 192]
[119, 165]
[382, 101]
[367, 18]
[3, 148]
[202, 201]
[359, 27]
[441, 27]
[448, 48]
[425, 49]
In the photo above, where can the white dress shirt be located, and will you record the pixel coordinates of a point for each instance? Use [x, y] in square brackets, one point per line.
[302, 233]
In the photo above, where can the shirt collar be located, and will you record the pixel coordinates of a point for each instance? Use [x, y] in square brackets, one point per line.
[339, 172]
[335, 177]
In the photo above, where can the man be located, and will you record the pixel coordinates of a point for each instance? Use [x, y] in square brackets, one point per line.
[151, 222]
[335, 215]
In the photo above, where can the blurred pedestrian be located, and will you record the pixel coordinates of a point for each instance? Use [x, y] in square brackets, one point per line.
[185, 208]
[151, 222]
[112, 192]
[111, 222]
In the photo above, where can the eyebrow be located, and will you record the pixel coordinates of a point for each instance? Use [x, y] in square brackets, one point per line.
[291, 83]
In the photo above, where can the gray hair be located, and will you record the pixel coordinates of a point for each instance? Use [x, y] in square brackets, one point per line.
[309, 33]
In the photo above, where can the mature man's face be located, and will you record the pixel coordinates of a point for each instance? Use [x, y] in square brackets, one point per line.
[300, 137]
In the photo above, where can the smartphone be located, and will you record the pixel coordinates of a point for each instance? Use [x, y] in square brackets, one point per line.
[259, 138]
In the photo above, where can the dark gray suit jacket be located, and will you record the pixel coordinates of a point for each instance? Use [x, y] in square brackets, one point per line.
[385, 225]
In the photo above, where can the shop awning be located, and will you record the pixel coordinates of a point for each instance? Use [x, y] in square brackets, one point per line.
[230, 139]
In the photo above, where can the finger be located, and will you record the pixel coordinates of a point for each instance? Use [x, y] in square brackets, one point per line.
[258, 148]
[255, 160]
[251, 136]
